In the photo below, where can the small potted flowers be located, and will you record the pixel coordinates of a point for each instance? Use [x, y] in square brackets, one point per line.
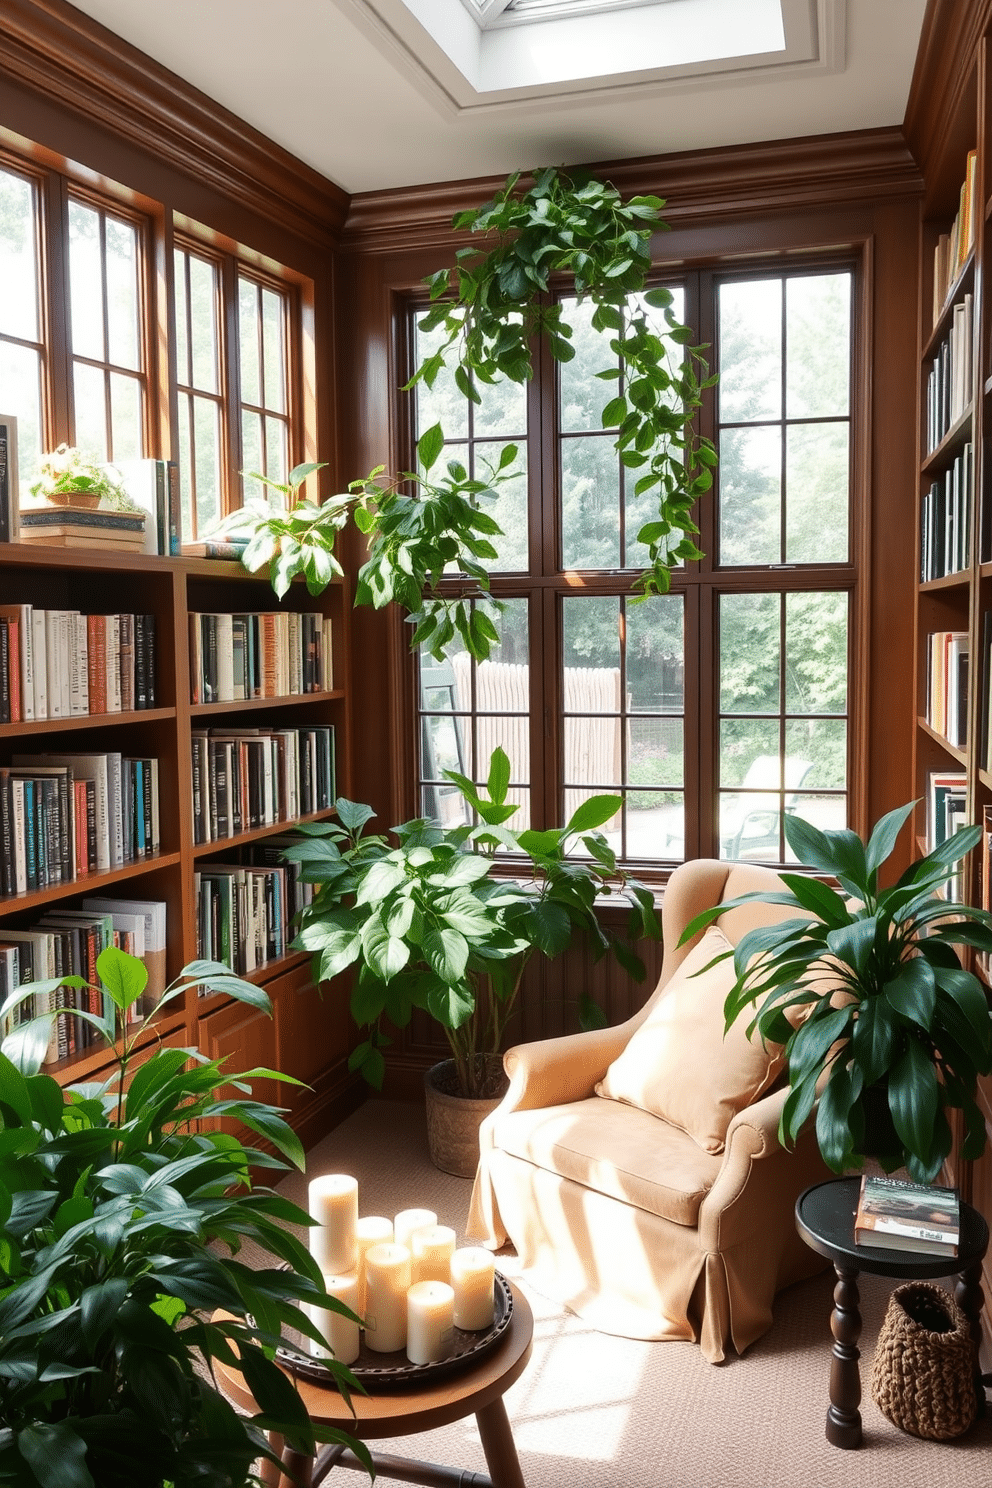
[71, 478]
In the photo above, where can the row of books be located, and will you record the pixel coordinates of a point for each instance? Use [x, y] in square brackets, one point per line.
[896, 1215]
[245, 910]
[234, 657]
[244, 779]
[952, 249]
[949, 384]
[63, 664]
[945, 519]
[67, 942]
[947, 685]
[64, 816]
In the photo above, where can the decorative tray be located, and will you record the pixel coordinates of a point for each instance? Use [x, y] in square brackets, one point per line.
[394, 1371]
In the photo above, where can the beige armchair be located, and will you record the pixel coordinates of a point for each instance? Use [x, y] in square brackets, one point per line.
[637, 1169]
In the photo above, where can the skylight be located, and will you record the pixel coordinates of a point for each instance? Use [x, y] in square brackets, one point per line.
[503, 49]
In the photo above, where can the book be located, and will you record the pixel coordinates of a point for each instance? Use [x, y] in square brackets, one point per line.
[907, 1216]
[9, 496]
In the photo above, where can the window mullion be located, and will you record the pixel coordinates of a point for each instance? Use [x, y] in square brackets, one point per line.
[57, 395]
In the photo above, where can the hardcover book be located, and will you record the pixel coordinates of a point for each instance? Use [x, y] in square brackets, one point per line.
[907, 1216]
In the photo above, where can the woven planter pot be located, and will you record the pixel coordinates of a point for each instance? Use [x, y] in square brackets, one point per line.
[453, 1120]
[923, 1376]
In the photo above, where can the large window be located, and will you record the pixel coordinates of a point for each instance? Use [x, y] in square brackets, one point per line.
[84, 322]
[715, 709]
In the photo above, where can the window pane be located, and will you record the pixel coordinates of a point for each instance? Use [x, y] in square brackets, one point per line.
[583, 395]
[751, 826]
[750, 349]
[186, 468]
[125, 417]
[276, 450]
[203, 290]
[122, 294]
[206, 435]
[20, 394]
[656, 751]
[818, 332]
[503, 410]
[750, 496]
[749, 753]
[829, 813]
[91, 410]
[591, 633]
[274, 342]
[816, 485]
[590, 487]
[509, 509]
[85, 283]
[442, 403]
[251, 381]
[18, 261]
[251, 458]
[183, 371]
[821, 743]
[816, 653]
[654, 655]
[750, 650]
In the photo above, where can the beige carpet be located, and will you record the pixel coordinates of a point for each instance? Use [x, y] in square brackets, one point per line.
[598, 1412]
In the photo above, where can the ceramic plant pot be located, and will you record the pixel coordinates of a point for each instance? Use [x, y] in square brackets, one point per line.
[453, 1120]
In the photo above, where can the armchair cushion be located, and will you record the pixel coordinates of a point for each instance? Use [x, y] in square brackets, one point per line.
[683, 1033]
[627, 1154]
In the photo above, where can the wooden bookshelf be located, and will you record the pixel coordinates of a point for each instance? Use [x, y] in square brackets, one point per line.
[91, 581]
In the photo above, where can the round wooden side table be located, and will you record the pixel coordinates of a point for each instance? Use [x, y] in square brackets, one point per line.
[477, 1391]
[825, 1220]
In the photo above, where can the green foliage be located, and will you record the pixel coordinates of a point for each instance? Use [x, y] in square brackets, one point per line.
[493, 304]
[122, 1219]
[428, 924]
[488, 310]
[886, 1003]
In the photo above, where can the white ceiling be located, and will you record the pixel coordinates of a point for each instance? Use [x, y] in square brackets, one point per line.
[365, 93]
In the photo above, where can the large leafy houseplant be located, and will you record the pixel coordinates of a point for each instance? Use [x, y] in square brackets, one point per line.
[886, 1021]
[554, 231]
[427, 922]
[122, 1217]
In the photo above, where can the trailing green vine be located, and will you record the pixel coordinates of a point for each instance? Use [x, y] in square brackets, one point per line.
[491, 308]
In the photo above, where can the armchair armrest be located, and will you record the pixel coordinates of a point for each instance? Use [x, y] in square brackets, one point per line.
[554, 1071]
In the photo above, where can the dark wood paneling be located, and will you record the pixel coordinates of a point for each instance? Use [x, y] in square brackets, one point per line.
[938, 109]
[60, 54]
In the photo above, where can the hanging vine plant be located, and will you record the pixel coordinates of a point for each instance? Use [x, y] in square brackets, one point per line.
[563, 231]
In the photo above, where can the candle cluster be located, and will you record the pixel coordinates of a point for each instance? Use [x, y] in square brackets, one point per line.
[404, 1277]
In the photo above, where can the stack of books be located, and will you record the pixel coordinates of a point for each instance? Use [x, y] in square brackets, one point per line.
[78, 527]
[907, 1216]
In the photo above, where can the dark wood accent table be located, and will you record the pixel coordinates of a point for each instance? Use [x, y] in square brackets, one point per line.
[825, 1220]
[478, 1390]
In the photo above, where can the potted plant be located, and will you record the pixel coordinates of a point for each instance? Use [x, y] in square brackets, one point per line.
[122, 1215]
[70, 478]
[440, 920]
[888, 1027]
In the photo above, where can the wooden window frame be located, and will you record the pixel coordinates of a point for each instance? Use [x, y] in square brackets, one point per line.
[701, 583]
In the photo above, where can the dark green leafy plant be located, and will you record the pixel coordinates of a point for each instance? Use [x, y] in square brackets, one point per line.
[110, 1197]
[428, 924]
[889, 1009]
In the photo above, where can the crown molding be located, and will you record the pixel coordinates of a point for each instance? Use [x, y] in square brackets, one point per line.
[699, 186]
[938, 122]
[70, 60]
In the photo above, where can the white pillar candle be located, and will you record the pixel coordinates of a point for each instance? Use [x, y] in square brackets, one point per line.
[387, 1281]
[432, 1250]
[372, 1230]
[333, 1200]
[472, 1278]
[409, 1220]
[430, 1321]
[340, 1333]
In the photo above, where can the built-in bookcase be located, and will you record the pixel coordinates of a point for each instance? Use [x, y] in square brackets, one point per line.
[953, 778]
[170, 589]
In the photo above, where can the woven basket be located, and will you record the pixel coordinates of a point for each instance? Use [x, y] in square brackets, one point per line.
[923, 1376]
